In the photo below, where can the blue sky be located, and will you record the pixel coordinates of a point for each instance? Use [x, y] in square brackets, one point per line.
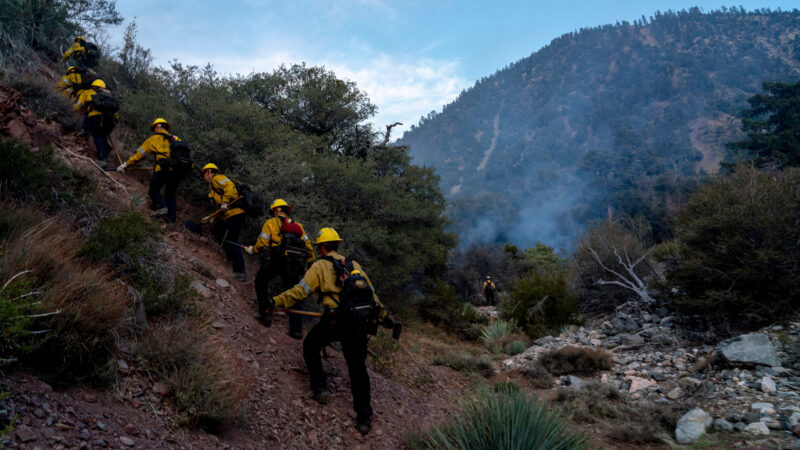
[410, 56]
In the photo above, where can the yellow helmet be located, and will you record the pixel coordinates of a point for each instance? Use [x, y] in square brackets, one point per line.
[210, 166]
[161, 121]
[73, 69]
[327, 235]
[99, 83]
[278, 203]
[80, 39]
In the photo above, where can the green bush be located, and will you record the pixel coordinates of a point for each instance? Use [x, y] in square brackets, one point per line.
[441, 307]
[516, 347]
[540, 303]
[202, 376]
[738, 247]
[576, 360]
[17, 298]
[505, 419]
[539, 376]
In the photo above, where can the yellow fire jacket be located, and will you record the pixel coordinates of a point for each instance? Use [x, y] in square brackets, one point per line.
[488, 283]
[224, 191]
[69, 84]
[75, 51]
[321, 277]
[85, 102]
[157, 145]
[271, 237]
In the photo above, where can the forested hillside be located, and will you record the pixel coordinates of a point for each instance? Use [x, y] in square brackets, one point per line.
[617, 118]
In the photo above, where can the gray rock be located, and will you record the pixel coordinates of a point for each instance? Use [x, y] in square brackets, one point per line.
[675, 394]
[751, 349]
[692, 426]
[631, 340]
[544, 340]
[761, 406]
[739, 426]
[721, 424]
[223, 283]
[624, 325]
[758, 429]
[752, 417]
[573, 382]
[768, 385]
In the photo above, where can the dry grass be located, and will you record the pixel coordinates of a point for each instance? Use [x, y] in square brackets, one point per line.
[81, 337]
[576, 360]
[462, 360]
[540, 378]
[203, 376]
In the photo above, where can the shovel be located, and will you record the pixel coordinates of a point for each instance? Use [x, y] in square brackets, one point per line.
[197, 228]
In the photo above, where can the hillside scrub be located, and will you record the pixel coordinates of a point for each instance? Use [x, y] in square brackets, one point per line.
[541, 303]
[576, 360]
[738, 244]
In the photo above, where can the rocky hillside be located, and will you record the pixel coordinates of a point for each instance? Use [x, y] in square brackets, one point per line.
[611, 117]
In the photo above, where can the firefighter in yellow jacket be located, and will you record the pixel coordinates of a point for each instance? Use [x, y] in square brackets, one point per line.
[321, 277]
[73, 83]
[76, 51]
[285, 252]
[488, 290]
[158, 145]
[227, 231]
[97, 123]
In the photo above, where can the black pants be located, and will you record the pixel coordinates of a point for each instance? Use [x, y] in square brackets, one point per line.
[229, 230]
[354, 347]
[270, 268]
[489, 295]
[167, 180]
[99, 127]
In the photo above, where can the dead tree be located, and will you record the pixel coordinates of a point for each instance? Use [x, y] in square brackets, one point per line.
[628, 278]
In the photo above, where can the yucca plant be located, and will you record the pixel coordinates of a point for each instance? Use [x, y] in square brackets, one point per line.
[515, 347]
[505, 419]
[493, 334]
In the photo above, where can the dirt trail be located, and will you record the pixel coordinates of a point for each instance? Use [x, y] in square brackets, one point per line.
[276, 415]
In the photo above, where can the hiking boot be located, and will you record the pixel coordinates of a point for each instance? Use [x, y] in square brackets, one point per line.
[364, 425]
[320, 397]
[239, 276]
[265, 320]
[295, 334]
[159, 212]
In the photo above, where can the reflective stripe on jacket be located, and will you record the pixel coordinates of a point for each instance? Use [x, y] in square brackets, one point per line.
[156, 145]
[223, 190]
[271, 237]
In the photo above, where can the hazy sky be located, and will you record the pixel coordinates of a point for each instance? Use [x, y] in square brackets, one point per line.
[410, 56]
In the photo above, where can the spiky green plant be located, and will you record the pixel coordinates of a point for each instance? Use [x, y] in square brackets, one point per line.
[493, 334]
[515, 347]
[505, 419]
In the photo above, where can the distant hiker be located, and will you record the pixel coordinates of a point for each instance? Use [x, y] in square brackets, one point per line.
[75, 81]
[101, 109]
[84, 54]
[341, 284]
[285, 252]
[488, 290]
[164, 176]
[223, 192]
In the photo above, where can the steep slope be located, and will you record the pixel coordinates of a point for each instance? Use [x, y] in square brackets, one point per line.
[134, 412]
[601, 118]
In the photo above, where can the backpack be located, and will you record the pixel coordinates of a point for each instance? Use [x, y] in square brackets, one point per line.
[252, 203]
[293, 247]
[180, 156]
[91, 54]
[88, 77]
[105, 103]
[357, 304]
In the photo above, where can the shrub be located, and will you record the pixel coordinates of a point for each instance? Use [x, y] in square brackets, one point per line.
[464, 361]
[576, 360]
[80, 337]
[17, 298]
[382, 353]
[493, 333]
[440, 307]
[592, 403]
[505, 419]
[516, 347]
[739, 244]
[202, 375]
[540, 377]
[540, 303]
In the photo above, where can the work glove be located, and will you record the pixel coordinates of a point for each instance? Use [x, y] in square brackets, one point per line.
[249, 250]
[122, 167]
[223, 206]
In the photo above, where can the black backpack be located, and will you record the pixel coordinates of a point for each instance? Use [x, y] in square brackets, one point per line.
[357, 304]
[180, 156]
[91, 54]
[105, 103]
[88, 77]
[252, 203]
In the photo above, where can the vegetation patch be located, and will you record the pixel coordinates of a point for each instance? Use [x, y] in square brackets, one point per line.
[539, 376]
[576, 360]
[540, 303]
[202, 376]
[464, 361]
[505, 418]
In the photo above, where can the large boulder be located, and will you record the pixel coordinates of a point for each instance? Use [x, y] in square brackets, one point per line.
[692, 426]
[749, 349]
